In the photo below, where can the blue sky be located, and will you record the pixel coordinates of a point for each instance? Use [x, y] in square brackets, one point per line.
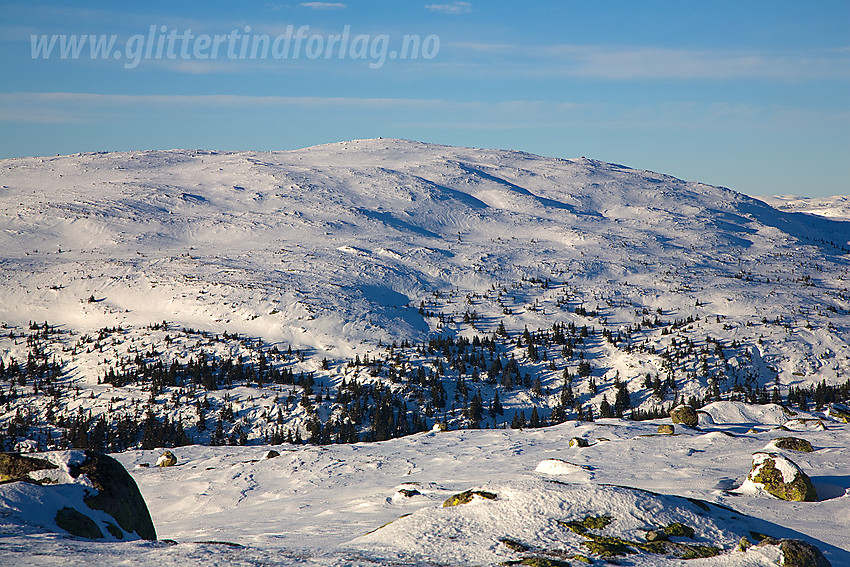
[750, 95]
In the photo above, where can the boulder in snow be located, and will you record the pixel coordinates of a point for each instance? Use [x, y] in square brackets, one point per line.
[85, 493]
[167, 459]
[797, 553]
[792, 444]
[781, 477]
[579, 442]
[666, 429]
[468, 496]
[686, 415]
[16, 467]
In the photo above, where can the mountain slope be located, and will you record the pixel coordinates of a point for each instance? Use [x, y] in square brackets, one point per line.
[338, 251]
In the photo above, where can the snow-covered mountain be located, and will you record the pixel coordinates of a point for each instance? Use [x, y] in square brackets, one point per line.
[836, 207]
[337, 264]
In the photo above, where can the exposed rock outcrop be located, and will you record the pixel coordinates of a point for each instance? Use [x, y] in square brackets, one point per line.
[86, 493]
[782, 478]
[797, 553]
[686, 415]
[167, 459]
[792, 444]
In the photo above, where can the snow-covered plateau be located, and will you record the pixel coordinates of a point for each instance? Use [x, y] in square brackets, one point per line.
[349, 302]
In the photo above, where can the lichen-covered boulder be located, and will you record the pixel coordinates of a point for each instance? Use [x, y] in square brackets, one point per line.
[579, 442]
[16, 467]
[797, 553]
[167, 459]
[468, 496]
[782, 478]
[792, 444]
[666, 429]
[686, 415]
[270, 454]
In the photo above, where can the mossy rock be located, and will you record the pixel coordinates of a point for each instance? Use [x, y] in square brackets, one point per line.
[76, 523]
[16, 467]
[468, 496]
[684, 414]
[771, 477]
[579, 442]
[699, 551]
[677, 529]
[514, 545]
[117, 494]
[793, 444]
[797, 553]
[666, 429]
[656, 535]
[608, 546]
[167, 459]
[588, 523]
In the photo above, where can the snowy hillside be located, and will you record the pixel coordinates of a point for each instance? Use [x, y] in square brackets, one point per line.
[368, 289]
[837, 207]
[372, 504]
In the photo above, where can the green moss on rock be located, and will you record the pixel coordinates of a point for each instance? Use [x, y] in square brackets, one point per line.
[16, 467]
[513, 544]
[468, 496]
[700, 551]
[608, 546]
[686, 415]
[588, 523]
[677, 529]
[793, 444]
[766, 473]
[796, 553]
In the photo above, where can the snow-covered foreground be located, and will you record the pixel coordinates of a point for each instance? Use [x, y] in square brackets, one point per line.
[327, 505]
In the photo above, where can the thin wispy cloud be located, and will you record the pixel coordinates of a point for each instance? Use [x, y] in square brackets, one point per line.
[647, 63]
[323, 5]
[65, 107]
[453, 8]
